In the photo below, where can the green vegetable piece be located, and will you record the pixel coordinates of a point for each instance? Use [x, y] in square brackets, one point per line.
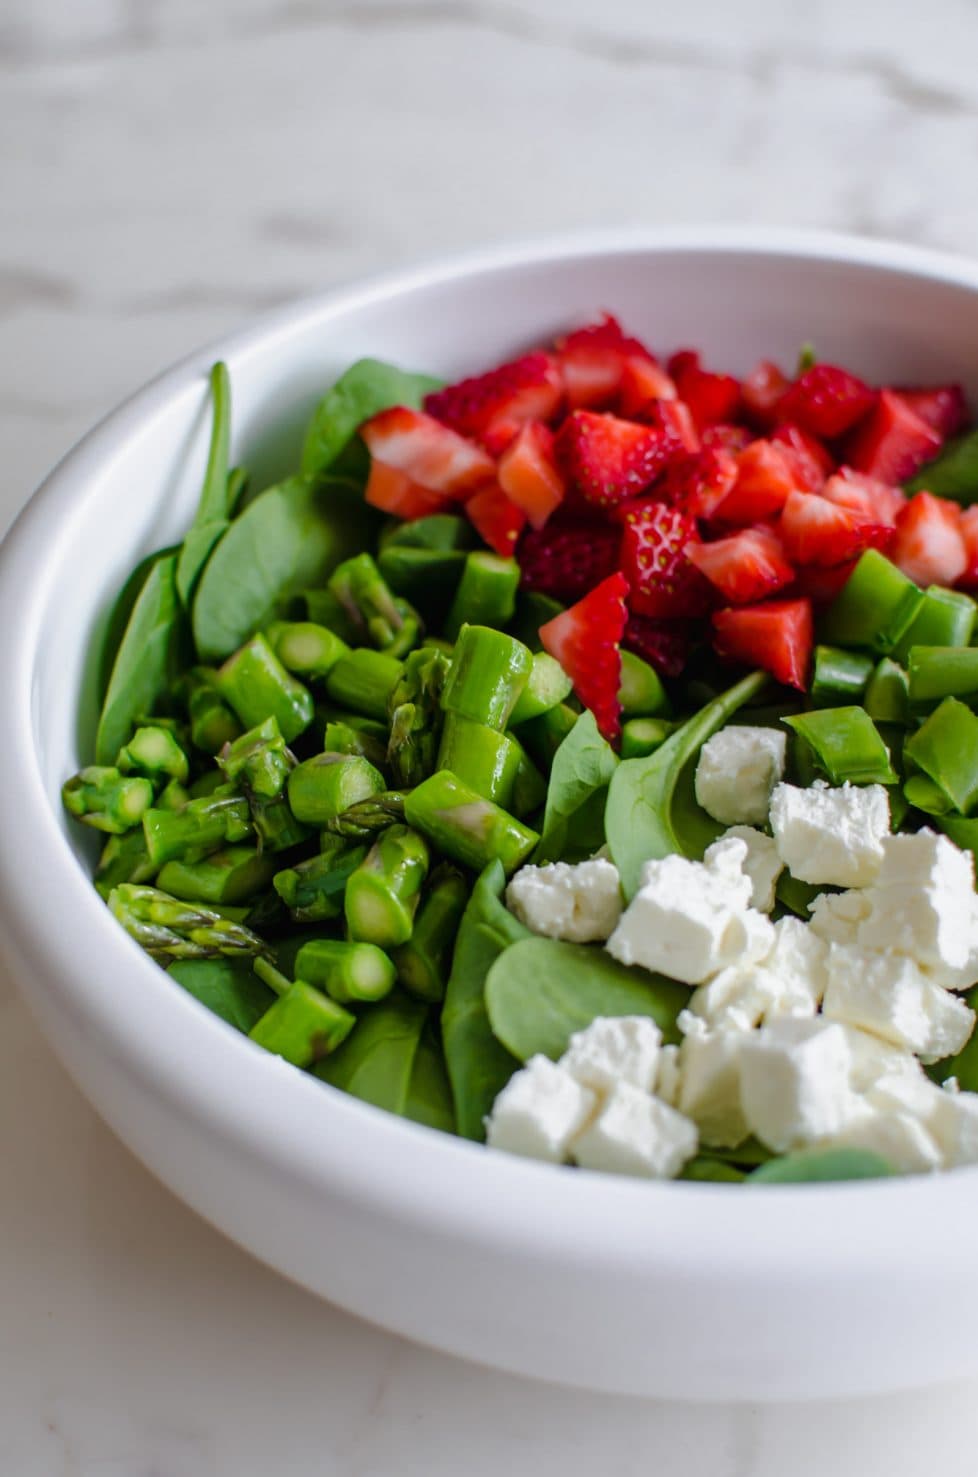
[874, 608]
[287, 540]
[364, 681]
[486, 593]
[216, 497]
[173, 796]
[469, 830]
[945, 747]
[350, 972]
[101, 797]
[305, 648]
[540, 991]
[168, 927]
[954, 471]
[943, 618]
[228, 987]
[533, 610]
[366, 818]
[119, 615]
[817, 1166]
[313, 890]
[323, 787]
[479, 1066]
[529, 787]
[380, 620]
[806, 359]
[153, 752]
[322, 608]
[148, 657]
[642, 736]
[376, 1064]
[936, 672]
[708, 1170]
[426, 577]
[925, 795]
[651, 811]
[382, 895]
[429, 1099]
[488, 673]
[204, 825]
[303, 1026]
[543, 736]
[343, 738]
[547, 685]
[887, 695]
[365, 389]
[441, 532]
[481, 757]
[838, 676]
[423, 962]
[259, 759]
[846, 744]
[641, 693]
[124, 859]
[212, 723]
[582, 768]
[257, 687]
[416, 717]
[230, 876]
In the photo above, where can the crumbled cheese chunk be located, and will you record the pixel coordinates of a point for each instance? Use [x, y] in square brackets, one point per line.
[831, 835]
[923, 904]
[874, 1059]
[709, 1082]
[737, 770]
[615, 1049]
[667, 1078]
[579, 903]
[636, 1134]
[539, 1112]
[836, 916]
[901, 1139]
[762, 864]
[890, 995]
[954, 1124]
[794, 1083]
[789, 980]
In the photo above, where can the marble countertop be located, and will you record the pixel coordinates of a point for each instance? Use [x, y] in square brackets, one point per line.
[168, 169]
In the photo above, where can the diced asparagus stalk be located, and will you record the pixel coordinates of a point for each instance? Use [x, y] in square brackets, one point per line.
[529, 786]
[211, 782]
[350, 972]
[230, 876]
[313, 890]
[543, 736]
[416, 717]
[411, 632]
[173, 796]
[486, 593]
[324, 609]
[212, 723]
[204, 825]
[382, 894]
[168, 927]
[100, 796]
[388, 623]
[260, 763]
[303, 1025]
[547, 685]
[124, 859]
[424, 962]
[642, 736]
[154, 752]
[488, 673]
[368, 817]
[343, 738]
[325, 786]
[641, 693]
[468, 829]
[305, 648]
[480, 756]
[364, 681]
[257, 686]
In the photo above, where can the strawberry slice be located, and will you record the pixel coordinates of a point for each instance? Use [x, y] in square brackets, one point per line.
[761, 391]
[969, 532]
[876, 501]
[642, 380]
[765, 477]
[726, 437]
[586, 640]
[498, 521]
[431, 454]
[567, 559]
[663, 644]
[929, 545]
[826, 400]
[893, 443]
[811, 462]
[661, 579]
[944, 407]
[817, 531]
[710, 397]
[674, 416]
[777, 636]
[593, 361]
[744, 567]
[607, 459]
[491, 407]
[529, 474]
[699, 484]
[394, 492]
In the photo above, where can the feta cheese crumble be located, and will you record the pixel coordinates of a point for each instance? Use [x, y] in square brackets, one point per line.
[794, 1083]
[580, 903]
[890, 996]
[762, 864]
[737, 770]
[540, 1111]
[831, 835]
[615, 1049]
[634, 1133]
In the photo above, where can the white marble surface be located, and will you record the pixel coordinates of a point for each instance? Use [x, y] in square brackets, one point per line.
[169, 167]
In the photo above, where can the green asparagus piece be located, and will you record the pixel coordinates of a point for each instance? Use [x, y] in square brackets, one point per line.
[257, 686]
[468, 829]
[367, 817]
[203, 826]
[488, 673]
[481, 757]
[387, 622]
[100, 796]
[350, 972]
[305, 648]
[212, 723]
[364, 681]
[313, 890]
[946, 749]
[169, 928]
[343, 738]
[123, 859]
[259, 760]
[529, 786]
[839, 676]
[328, 784]
[303, 1025]
[642, 736]
[323, 609]
[486, 593]
[416, 717]
[211, 782]
[173, 796]
[154, 752]
[424, 962]
[641, 693]
[943, 618]
[382, 894]
[427, 577]
[543, 736]
[887, 695]
[230, 876]
[547, 685]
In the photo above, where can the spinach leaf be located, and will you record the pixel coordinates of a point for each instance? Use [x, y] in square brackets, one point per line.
[652, 810]
[478, 1065]
[539, 992]
[440, 532]
[366, 388]
[214, 507]
[583, 765]
[115, 626]
[430, 1093]
[292, 536]
[811, 1166]
[705, 1168]
[147, 660]
[376, 1060]
[228, 987]
[953, 472]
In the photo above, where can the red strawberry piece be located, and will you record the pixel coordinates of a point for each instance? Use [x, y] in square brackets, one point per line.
[394, 492]
[826, 400]
[529, 474]
[765, 477]
[661, 579]
[929, 545]
[607, 459]
[777, 636]
[431, 454]
[822, 585]
[663, 644]
[642, 380]
[744, 567]
[876, 501]
[810, 461]
[671, 415]
[491, 407]
[969, 532]
[592, 362]
[700, 483]
[894, 441]
[710, 397]
[817, 531]
[943, 407]
[586, 640]
[498, 521]
[761, 391]
[567, 559]
[726, 437]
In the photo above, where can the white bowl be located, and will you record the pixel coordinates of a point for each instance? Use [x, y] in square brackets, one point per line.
[689, 1290]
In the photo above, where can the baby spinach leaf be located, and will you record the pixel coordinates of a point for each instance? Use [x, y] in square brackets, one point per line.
[115, 626]
[376, 1060]
[583, 765]
[440, 532]
[953, 472]
[228, 987]
[430, 1093]
[705, 1168]
[292, 536]
[652, 810]
[539, 992]
[148, 657]
[478, 1065]
[366, 388]
[214, 508]
[811, 1166]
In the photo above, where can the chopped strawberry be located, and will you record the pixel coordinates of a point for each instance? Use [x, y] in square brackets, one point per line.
[765, 477]
[593, 360]
[566, 559]
[777, 636]
[642, 380]
[822, 585]
[761, 391]
[944, 407]
[810, 461]
[726, 437]
[529, 474]
[969, 532]
[586, 640]
[710, 397]
[826, 400]
[431, 454]
[661, 579]
[663, 644]
[700, 483]
[491, 407]
[817, 531]
[671, 415]
[394, 492]
[744, 567]
[929, 545]
[876, 501]
[607, 459]
[893, 443]
[498, 521]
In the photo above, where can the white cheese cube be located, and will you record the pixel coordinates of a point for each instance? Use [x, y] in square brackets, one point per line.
[794, 1083]
[668, 1077]
[954, 1124]
[789, 980]
[539, 1111]
[615, 1049]
[923, 904]
[901, 1139]
[736, 999]
[831, 835]
[636, 1134]
[836, 916]
[874, 1059]
[762, 864]
[737, 770]
[579, 903]
[926, 858]
[709, 1082]
[890, 995]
